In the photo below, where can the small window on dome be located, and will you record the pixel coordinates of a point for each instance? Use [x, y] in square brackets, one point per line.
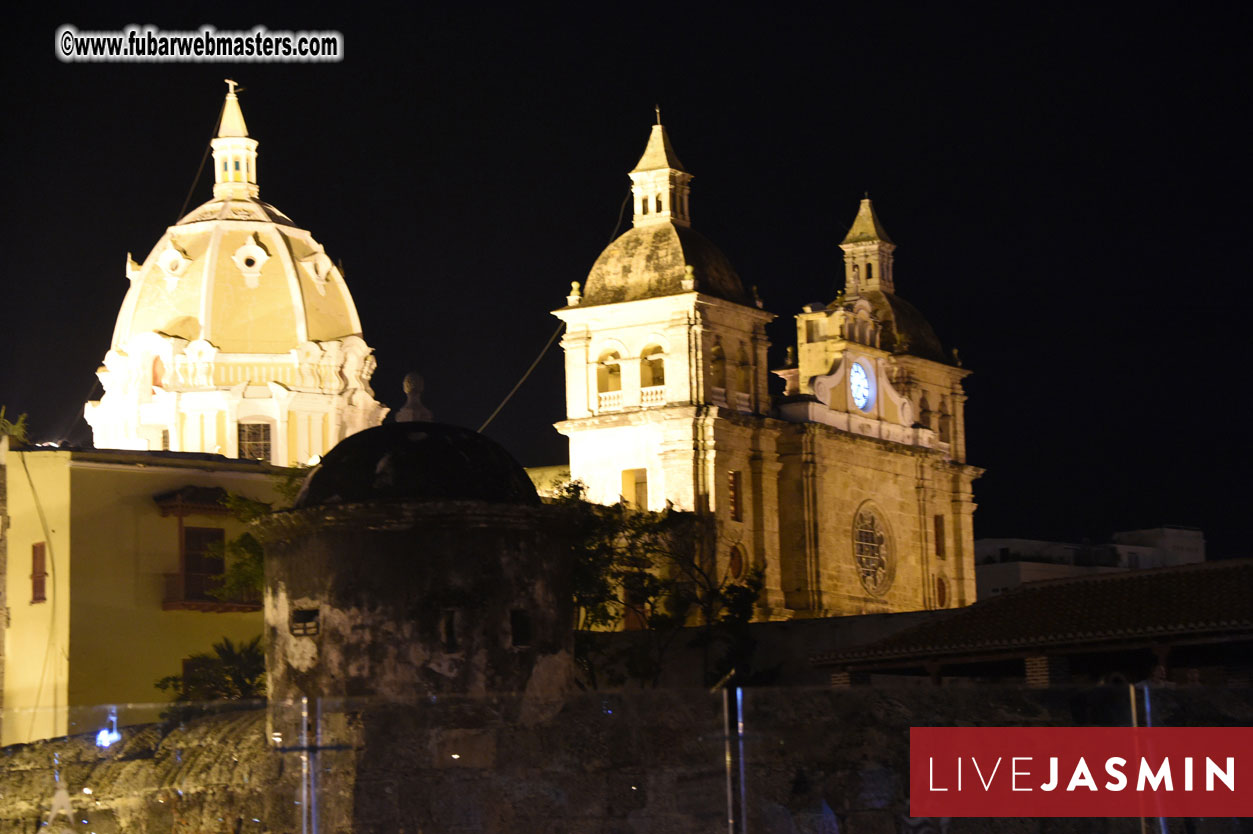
[237, 165]
[658, 206]
[869, 272]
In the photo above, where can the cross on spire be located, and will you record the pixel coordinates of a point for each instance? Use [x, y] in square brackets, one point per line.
[657, 107]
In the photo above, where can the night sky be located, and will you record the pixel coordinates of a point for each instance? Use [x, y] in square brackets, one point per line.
[1068, 190]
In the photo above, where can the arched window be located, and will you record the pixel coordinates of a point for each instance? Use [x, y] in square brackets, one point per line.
[744, 373]
[735, 562]
[946, 422]
[869, 273]
[718, 367]
[644, 205]
[652, 366]
[608, 372]
[658, 206]
[924, 412]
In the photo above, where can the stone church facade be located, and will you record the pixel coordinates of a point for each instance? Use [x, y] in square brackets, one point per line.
[851, 492]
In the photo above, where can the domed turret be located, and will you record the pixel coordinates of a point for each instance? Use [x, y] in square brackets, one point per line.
[661, 255]
[417, 461]
[238, 334]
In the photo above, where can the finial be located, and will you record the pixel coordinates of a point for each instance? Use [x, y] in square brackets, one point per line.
[657, 107]
[865, 195]
[575, 295]
[230, 82]
[413, 411]
[688, 281]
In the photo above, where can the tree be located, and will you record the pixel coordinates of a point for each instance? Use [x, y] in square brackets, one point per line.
[229, 672]
[654, 573]
[244, 555]
[16, 430]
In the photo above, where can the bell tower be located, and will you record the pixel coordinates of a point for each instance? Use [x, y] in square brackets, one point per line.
[666, 396]
[659, 185]
[867, 254]
[234, 153]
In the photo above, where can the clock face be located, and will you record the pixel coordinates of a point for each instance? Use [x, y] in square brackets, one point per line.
[859, 385]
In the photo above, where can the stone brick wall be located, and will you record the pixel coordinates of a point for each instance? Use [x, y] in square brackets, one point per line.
[815, 760]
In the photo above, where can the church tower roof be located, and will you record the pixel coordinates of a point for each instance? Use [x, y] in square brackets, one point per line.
[234, 153]
[659, 153]
[661, 255]
[866, 227]
[232, 121]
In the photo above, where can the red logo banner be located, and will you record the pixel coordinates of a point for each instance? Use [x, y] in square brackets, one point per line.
[1080, 771]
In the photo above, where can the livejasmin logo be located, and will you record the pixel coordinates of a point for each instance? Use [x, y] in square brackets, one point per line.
[1081, 771]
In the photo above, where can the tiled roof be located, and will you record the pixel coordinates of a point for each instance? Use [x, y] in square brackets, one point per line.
[1211, 598]
[202, 500]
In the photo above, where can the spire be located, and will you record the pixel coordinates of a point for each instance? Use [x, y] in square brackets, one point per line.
[659, 153]
[232, 123]
[659, 184]
[234, 153]
[866, 226]
[867, 254]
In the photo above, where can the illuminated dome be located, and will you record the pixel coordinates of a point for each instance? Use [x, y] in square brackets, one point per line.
[908, 331]
[652, 260]
[236, 318]
[417, 461]
[661, 255]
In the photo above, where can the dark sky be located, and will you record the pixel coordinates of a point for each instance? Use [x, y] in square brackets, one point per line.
[1068, 189]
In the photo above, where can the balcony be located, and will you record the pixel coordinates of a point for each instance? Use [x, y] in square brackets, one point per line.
[190, 592]
[653, 395]
[610, 401]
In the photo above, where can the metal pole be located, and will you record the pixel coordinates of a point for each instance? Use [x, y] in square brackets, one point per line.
[726, 726]
[739, 722]
[304, 764]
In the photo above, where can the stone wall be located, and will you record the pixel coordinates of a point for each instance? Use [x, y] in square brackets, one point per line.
[815, 760]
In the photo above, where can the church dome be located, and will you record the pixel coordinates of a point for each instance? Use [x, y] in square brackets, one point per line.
[239, 274]
[416, 461]
[652, 260]
[661, 255]
[237, 334]
[910, 331]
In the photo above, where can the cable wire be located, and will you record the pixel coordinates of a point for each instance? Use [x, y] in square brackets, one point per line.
[556, 333]
[187, 200]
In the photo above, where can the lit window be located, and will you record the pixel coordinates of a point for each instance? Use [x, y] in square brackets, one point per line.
[609, 373]
[734, 503]
[635, 488]
[652, 367]
[304, 622]
[254, 441]
[38, 572]
[203, 561]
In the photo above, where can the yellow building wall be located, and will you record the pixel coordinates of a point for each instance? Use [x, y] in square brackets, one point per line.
[110, 551]
[36, 642]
